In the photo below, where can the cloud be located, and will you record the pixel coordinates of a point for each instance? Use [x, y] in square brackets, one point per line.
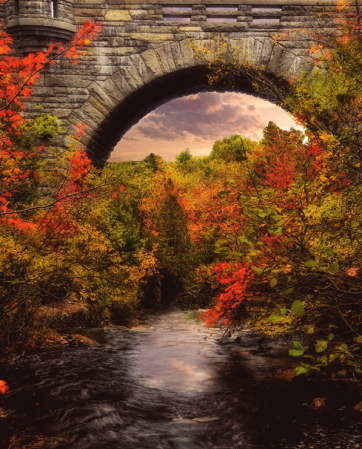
[204, 117]
[131, 139]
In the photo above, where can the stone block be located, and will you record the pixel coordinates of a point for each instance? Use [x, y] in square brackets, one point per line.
[198, 18]
[132, 76]
[276, 59]
[40, 91]
[187, 54]
[141, 68]
[115, 15]
[225, 27]
[257, 50]
[79, 116]
[153, 36]
[111, 89]
[165, 58]
[185, 28]
[286, 65]
[294, 69]
[138, 14]
[65, 81]
[177, 55]
[95, 113]
[62, 113]
[266, 51]
[120, 80]
[247, 50]
[151, 61]
[307, 65]
[77, 98]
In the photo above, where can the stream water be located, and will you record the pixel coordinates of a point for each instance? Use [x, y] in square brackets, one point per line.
[171, 385]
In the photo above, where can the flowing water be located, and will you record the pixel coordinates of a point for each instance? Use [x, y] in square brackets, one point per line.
[171, 385]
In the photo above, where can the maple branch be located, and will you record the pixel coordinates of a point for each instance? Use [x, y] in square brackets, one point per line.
[46, 63]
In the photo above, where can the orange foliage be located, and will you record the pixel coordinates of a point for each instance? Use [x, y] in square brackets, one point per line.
[3, 387]
[17, 75]
[208, 210]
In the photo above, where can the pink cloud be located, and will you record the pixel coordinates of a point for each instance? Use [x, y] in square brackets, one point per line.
[204, 116]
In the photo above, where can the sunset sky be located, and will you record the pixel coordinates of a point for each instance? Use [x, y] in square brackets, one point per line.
[196, 121]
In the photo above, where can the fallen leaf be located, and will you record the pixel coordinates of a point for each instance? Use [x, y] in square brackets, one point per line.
[318, 403]
[352, 271]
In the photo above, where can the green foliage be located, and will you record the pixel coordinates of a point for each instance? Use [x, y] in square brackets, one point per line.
[301, 370]
[174, 242]
[234, 149]
[298, 349]
[153, 162]
[321, 345]
[33, 132]
[298, 309]
[273, 282]
[184, 156]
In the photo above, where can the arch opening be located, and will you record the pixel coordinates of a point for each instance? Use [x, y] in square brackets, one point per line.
[196, 122]
[144, 100]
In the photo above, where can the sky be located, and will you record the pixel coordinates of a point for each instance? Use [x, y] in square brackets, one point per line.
[195, 122]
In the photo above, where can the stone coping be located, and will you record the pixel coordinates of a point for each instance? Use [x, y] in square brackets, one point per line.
[37, 22]
[259, 3]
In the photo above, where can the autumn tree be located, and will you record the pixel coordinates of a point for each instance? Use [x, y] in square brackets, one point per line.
[36, 204]
[300, 199]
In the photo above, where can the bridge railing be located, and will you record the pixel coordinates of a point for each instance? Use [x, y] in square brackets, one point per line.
[270, 11]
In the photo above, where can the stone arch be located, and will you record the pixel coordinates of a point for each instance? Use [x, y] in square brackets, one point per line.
[141, 58]
[155, 76]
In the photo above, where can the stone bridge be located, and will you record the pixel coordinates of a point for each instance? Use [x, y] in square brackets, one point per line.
[142, 60]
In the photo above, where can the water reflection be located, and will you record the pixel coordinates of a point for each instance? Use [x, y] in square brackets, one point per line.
[175, 358]
[170, 385]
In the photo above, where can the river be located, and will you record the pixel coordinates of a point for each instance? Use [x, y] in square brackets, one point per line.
[171, 384]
